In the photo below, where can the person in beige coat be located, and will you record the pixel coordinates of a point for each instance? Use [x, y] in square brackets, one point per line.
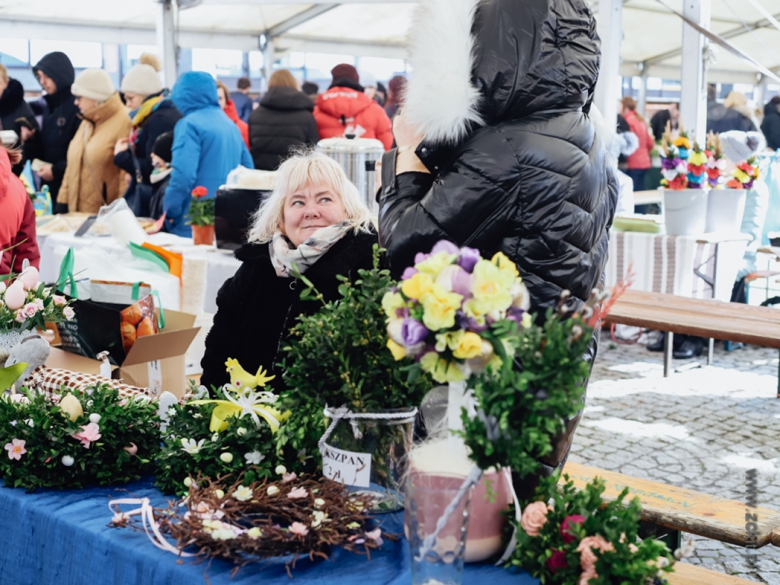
[91, 177]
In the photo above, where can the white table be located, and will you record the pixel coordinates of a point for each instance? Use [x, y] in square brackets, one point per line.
[220, 265]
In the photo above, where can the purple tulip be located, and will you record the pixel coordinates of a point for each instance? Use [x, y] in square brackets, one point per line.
[420, 257]
[461, 282]
[468, 258]
[445, 246]
[409, 272]
[413, 332]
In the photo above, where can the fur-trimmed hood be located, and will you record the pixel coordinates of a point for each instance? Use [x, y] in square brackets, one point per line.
[478, 62]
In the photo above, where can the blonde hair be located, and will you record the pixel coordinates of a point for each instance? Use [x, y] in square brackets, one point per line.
[224, 88]
[282, 78]
[734, 99]
[308, 167]
[3, 72]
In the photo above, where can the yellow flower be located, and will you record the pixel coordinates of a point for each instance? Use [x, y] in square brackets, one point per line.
[697, 158]
[469, 346]
[435, 264]
[527, 320]
[417, 286]
[741, 176]
[504, 263]
[492, 288]
[398, 351]
[450, 339]
[440, 307]
[682, 141]
[440, 369]
[392, 301]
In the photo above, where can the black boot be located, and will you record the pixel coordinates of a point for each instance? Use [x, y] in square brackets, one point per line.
[690, 348]
[657, 345]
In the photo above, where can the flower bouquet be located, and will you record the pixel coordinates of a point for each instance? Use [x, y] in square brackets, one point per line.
[570, 537]
[684, 178]
[744, 175]
[726, 206]
[674, 166]
[91, 436]
[26, 305]
[716, 161]
[201, 216]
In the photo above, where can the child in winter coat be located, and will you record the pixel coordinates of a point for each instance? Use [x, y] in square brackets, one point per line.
[161, 175]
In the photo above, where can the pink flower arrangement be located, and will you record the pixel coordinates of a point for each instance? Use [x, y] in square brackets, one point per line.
[88, 435]
[15, 449]
[534, 517]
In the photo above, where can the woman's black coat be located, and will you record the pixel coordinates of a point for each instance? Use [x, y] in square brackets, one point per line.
[770, 126]
[283, 120]
[534, 180]
[15, 112]
[256, 308]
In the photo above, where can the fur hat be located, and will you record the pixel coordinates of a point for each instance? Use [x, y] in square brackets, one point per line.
[94, 84]
[143, 79]
[345, 70]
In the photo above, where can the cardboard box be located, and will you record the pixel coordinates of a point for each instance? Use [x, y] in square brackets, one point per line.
[155, 361]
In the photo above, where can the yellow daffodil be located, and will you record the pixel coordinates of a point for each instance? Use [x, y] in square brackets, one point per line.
[741, 176]
[682, 142]
[440, 307]
[492, 288]
[435, 264]
[504, 263]
[417, 286]
[469, 346]
[392, 301]
[398, 351]
[450, 339]
[440, 369]
[697, 158]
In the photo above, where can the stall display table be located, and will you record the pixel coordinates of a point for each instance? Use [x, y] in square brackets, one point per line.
[221, 265]
[62, 537]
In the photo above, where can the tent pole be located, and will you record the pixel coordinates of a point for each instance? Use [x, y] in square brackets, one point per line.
[693, 100]
[166, 41]
[610, 30]
[642, 100]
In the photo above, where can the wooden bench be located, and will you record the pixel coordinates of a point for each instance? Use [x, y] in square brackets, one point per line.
[685, 510]
[702, 317]
[686, 574]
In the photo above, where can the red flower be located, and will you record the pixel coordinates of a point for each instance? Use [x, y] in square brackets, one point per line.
[679, 182]
[713, 173]
[200, 191]
[557, 561]
[733, 184]
[708, 153]
[744, 166]
[568, 523]
[697, 170]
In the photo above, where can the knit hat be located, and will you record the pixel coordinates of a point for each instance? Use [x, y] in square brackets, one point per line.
[143, 79]
[163, 146]
[345, 70]
[94, 84]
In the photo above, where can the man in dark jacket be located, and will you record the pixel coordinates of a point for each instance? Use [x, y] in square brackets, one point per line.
[507, 159]
[241, 99]
[60, 120]
[15, 114]
[770, 125]
[663, 117]
[283, 120]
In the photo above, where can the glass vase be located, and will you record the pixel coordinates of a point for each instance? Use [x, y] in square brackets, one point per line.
[427, 497]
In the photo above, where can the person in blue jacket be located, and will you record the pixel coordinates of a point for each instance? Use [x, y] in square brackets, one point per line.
[207, 145]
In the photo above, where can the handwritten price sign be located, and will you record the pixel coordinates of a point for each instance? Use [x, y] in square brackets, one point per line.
[346, 467]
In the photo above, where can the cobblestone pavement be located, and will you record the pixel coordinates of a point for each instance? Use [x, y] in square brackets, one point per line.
[700, 429]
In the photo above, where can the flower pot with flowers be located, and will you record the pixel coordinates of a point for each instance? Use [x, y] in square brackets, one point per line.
[685, 185]
[725, 203]
[26, 305]
[201, 217]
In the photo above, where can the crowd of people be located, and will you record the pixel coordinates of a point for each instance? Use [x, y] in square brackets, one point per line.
[92, 143]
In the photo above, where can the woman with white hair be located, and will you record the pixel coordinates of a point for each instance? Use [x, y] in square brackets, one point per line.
[313, 221]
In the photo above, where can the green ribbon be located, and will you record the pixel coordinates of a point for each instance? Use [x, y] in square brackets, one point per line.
[66, 274]
[160, 311]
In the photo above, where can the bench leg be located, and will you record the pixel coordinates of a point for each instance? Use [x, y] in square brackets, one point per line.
[710, 350]
[668, 346]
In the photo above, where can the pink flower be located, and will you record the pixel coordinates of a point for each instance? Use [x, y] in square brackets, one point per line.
[29, 278]
[298, 528]
[557, 561]
[39, 303]
[15, 449]
[376, 536]
[534, 517]
[20, 316]
[20, 399]
[88, 435]
[585, 548]
[568, 523]
[59, 300]
[132, 449]
[30, 309]
[68, 313]
[587, 575]
[297, 493]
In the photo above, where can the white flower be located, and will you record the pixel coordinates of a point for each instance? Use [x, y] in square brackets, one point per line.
[243, 493]
[219, 493]
[222, 534]
[2, 287]
[280, 470]
[190, 446]
[226, 457]
[254, 533]
[68, 313]
[94, 417]
[188, 481]
[197, 415]
[89, 402]
[215, 437]
[67, 461]
[319, 503]
[272, 490]
[319, 518]
[254, 458]
[241, 431]
[29, 422]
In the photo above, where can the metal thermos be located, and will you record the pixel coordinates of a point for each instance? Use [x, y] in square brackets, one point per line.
[357, 156]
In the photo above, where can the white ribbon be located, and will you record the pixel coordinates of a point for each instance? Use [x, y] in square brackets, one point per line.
[518, 515]
[246, 400]
[146, 512]
[344, 413]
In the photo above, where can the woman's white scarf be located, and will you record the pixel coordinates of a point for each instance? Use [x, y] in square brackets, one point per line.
[283, 255]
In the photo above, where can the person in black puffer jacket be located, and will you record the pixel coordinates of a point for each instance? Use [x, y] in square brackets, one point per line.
[60, 121]
[15, 112]
[770, 125]
[304, 222]
[284, 120]
[503, 156]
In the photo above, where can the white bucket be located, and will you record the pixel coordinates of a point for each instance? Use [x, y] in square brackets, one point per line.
[685, 211]
[725, 208]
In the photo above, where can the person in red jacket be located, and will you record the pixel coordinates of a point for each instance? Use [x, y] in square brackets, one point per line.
[345, 109]
[227, 105]
[17, 219]
[639, 161]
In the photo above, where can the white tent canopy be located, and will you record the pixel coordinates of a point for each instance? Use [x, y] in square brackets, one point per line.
[651, 34]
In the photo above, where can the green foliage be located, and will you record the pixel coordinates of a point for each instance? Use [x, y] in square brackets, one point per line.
[201, 212]
[47, 431]
[339, 357]
[242, 436]
[530, 399]
[617, 522]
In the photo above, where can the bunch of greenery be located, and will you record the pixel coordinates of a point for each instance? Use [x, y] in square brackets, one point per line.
[40, 449]
[190, 448]
[339, 357]
[564, 519]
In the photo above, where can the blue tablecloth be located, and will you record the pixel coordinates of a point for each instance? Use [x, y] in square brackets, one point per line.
[62, 538]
